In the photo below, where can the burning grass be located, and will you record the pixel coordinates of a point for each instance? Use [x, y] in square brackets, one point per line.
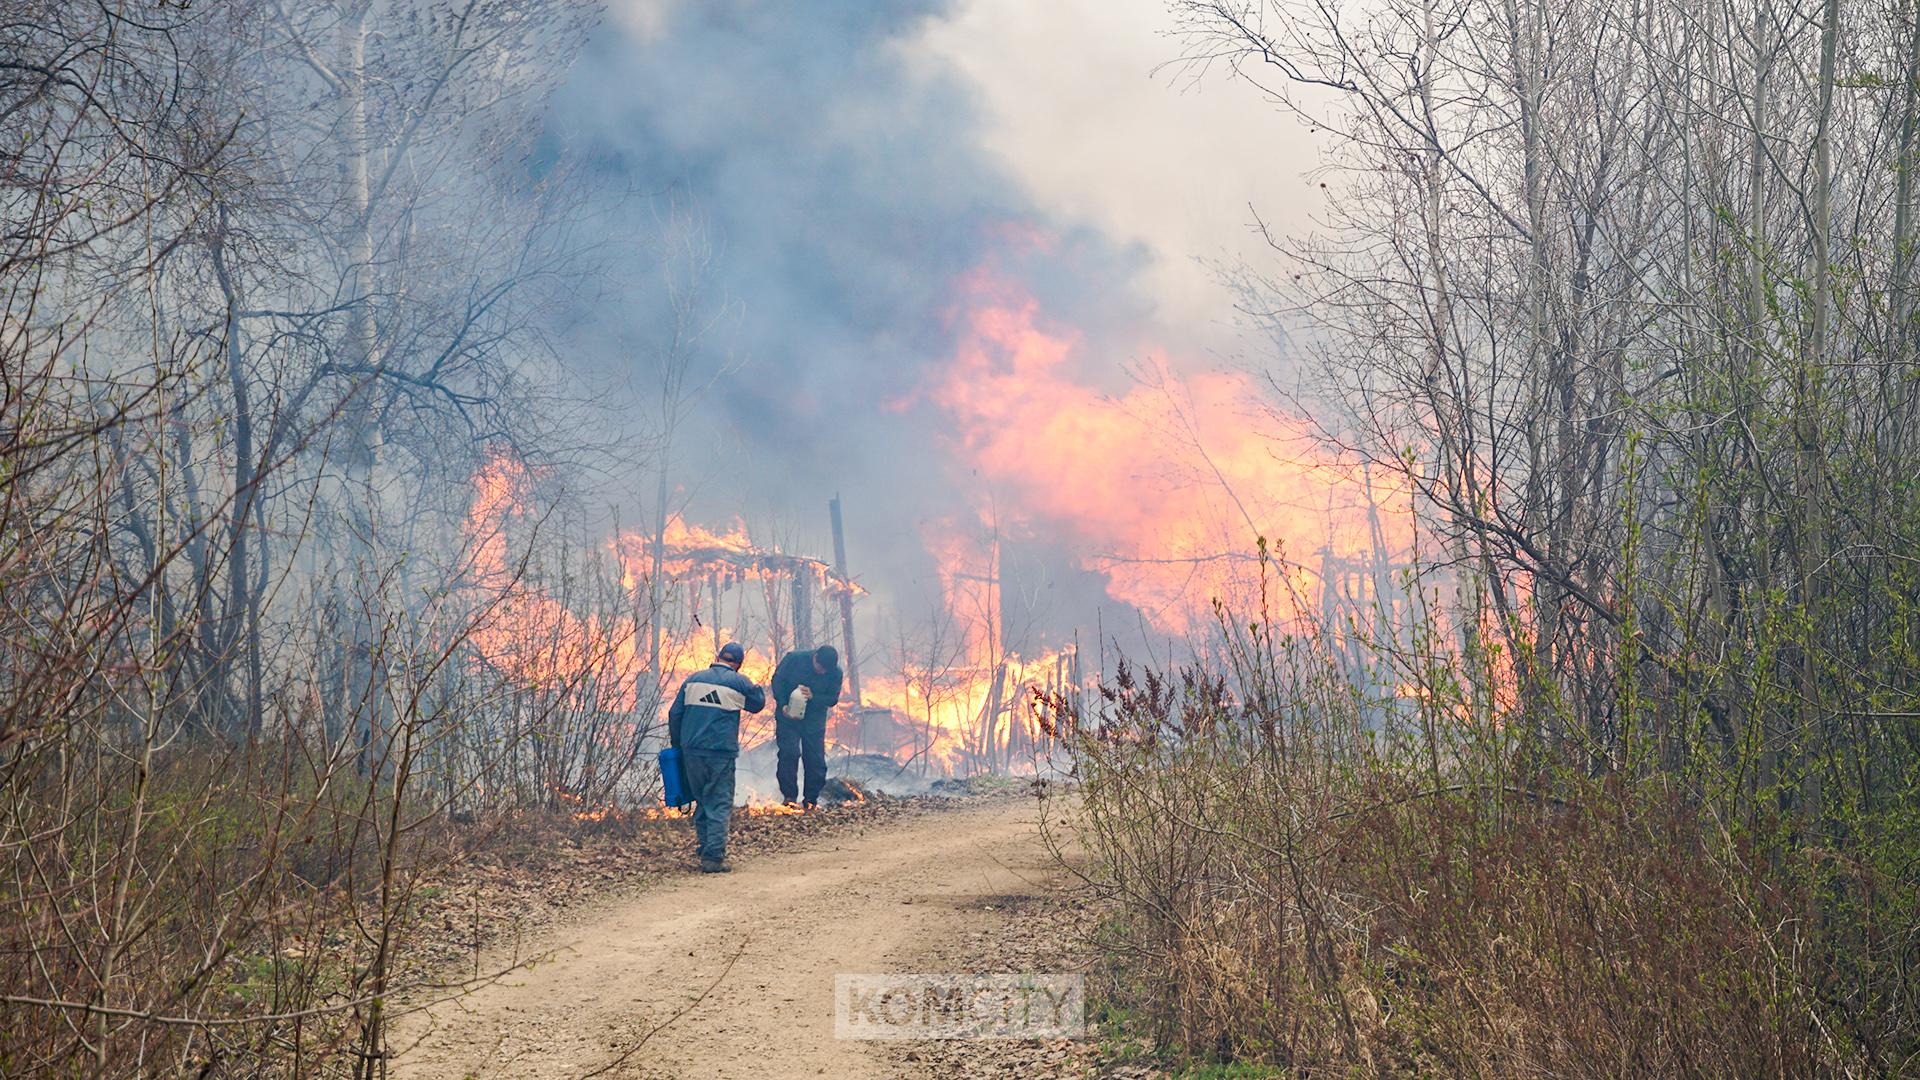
[839, 792]
[591, 636]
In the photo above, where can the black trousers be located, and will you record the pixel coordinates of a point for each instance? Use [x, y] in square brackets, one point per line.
[801, 742]
[710, 782]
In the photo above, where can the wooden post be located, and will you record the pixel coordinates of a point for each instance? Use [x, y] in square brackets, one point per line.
[802, 606]
[846, 600]
[989, 725]
[1079, 684]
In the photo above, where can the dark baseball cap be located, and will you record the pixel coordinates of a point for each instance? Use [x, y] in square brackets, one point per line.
[827, 655]
[733, 653]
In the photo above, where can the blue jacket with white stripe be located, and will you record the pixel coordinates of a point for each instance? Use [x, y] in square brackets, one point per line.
[705, 714]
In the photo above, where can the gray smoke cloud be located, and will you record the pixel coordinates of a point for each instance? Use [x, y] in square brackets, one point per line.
[845, 190]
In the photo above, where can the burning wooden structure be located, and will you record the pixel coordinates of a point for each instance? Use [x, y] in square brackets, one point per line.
[961, 701]
[692, 588]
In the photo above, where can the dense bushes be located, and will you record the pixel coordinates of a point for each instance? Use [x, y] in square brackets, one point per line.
[1294, 887]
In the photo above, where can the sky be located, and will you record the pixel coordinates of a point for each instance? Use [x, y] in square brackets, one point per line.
[1085, 105]
[878, 184]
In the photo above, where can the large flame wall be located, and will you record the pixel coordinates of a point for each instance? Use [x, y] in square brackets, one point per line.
[1165, 488]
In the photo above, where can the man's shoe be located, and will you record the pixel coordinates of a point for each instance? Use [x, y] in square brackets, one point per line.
[788, 802]
[809, 806]
[715, 866]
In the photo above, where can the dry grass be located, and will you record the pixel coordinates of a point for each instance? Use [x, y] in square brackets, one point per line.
[1291, 896]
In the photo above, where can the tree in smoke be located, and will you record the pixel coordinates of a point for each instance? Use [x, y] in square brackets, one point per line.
[210, 341]
[394, 307]
[1622, 293]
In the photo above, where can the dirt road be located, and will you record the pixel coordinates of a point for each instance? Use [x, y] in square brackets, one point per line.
[852, 902]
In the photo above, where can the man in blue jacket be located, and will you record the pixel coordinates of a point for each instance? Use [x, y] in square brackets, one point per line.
[806, 684]
[703, 723]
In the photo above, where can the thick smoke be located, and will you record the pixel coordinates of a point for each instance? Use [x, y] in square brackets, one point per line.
[845, 196]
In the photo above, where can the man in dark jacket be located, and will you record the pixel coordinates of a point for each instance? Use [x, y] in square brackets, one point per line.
[806, 685]
[704, 724]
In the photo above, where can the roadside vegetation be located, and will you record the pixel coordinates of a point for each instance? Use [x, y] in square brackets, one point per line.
[1301, 883]
[253, 344]
[1618, 771]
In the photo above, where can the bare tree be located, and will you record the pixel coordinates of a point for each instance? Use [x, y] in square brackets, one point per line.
[1621, 293]
[190, 340]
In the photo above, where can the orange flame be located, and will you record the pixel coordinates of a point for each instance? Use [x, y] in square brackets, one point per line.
[689, 550]
[525, 633]
[1163, 488]
[670, 813]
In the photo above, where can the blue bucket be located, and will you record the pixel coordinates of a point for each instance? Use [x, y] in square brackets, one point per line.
[673, 782]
